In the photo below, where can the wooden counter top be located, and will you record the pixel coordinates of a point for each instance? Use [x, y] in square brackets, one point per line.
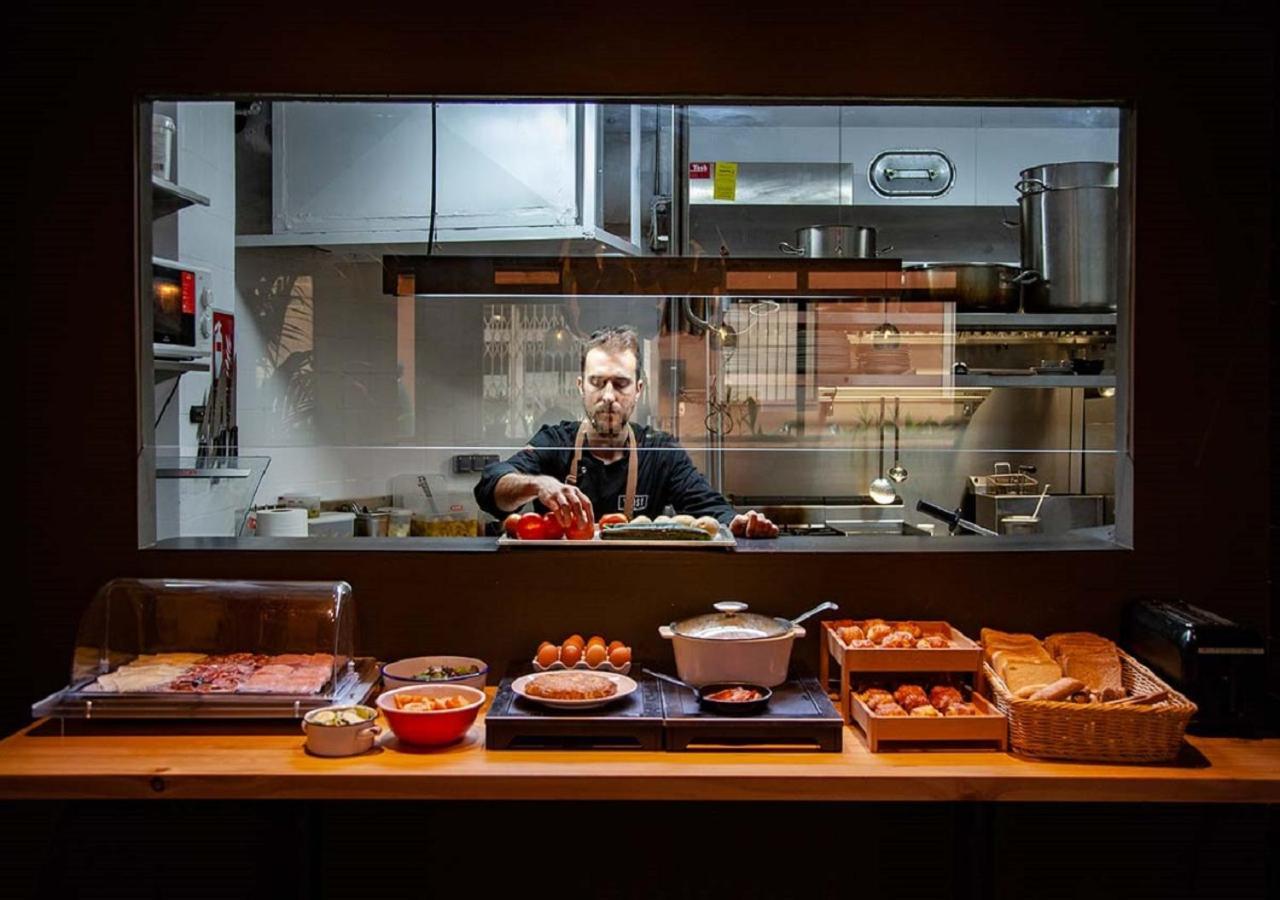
[251, 761]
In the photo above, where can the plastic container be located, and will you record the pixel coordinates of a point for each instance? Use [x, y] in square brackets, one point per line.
[399, 522]
[460, 524]
[332, 524]
[309, 502]
[164, 140]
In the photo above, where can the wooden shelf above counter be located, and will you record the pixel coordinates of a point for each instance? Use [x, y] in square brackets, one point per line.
[258, 761]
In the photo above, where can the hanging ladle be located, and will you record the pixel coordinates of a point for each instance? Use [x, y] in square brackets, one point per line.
[898, 472]
[886, 336]
[882, 490]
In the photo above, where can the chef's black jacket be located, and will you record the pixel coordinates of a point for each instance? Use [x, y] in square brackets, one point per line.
[667, 475]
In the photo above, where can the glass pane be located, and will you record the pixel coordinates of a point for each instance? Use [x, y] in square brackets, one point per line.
[986, 370]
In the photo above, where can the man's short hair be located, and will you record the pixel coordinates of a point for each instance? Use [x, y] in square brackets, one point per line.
[615, 340]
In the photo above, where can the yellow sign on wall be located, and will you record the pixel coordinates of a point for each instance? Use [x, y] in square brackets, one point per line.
[725, 186]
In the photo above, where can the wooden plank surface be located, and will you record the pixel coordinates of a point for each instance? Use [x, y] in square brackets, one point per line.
[208, 760]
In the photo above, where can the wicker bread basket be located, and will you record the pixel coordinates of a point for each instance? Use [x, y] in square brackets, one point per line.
[1097, 732]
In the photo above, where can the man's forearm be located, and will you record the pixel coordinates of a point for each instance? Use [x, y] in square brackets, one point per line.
[514, 490]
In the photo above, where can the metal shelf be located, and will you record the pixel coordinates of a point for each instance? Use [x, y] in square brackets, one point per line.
[1029, 321]
[181, 365]
[1036, 381]
[167, 198]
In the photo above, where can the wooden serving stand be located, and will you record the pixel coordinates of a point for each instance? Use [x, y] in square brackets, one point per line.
[964, 655]
[989, 728]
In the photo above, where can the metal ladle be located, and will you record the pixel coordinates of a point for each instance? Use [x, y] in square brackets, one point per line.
[886, 336]
[882, 490]
[898, 472]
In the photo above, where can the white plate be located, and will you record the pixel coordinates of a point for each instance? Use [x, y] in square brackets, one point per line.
[625, 686]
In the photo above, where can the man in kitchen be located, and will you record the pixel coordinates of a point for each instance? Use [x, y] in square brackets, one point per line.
[581, 471]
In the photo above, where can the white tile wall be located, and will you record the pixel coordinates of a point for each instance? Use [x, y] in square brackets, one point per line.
[360, 432]
[205, 163]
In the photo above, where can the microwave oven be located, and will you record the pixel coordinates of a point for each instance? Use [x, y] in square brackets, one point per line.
[181, 310]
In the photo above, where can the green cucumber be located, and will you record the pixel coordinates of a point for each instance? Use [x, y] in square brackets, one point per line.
[658, 531]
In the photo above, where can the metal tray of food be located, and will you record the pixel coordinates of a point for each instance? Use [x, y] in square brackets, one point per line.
[356, 683]
[722, 541]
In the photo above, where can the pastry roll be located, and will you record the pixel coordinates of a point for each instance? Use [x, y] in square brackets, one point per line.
[943, 695]
[925, 710]
[961, 709]
[911, 628]
[878, 632]
[851, 633]
[890, 709]
[909, 696]
[898, 640]
[875, 696]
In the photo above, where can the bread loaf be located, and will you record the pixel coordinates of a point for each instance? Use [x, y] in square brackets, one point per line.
[1058, 690]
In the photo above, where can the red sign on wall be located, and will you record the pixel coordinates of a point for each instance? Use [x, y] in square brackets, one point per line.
[699, 170]
[224, 344]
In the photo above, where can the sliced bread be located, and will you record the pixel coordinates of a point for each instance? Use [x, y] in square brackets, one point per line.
[1019, 673]
[1100, 672]
[1001, 658]
[1057, 644]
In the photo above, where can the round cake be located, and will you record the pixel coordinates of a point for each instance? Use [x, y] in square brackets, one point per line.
[571, 686]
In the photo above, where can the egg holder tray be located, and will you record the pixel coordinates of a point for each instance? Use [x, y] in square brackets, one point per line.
[581, 666]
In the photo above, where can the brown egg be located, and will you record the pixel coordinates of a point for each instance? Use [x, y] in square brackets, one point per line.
[596, 655]
[620, 656]
[575, 639]
[546, 644]
[614, 645]
[547, 654]
[570, 654]
[595, 639]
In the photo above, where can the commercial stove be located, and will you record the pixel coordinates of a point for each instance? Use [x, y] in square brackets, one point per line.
[835, 516]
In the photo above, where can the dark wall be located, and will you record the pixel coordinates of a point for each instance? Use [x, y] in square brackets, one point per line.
[1199, 75]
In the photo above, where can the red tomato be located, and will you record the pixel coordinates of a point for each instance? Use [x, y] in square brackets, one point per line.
[551, 528]
[581, 531]
[530, 527]
[612, 519]
[509, 524]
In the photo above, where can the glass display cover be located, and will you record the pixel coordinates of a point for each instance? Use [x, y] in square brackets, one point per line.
[166, 648]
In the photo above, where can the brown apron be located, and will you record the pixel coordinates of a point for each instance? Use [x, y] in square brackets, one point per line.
[633, 464]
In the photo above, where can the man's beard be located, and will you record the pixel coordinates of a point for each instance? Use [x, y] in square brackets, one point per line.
[606, 425]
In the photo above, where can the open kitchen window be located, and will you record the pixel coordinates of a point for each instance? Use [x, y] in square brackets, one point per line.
[902, 323]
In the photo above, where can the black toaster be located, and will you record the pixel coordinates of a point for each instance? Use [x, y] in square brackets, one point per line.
[1220, 665]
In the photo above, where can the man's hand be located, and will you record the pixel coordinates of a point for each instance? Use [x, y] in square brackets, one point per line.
[564, 500]
[753, 525]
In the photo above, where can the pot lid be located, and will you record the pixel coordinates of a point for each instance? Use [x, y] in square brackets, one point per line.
[731, 622]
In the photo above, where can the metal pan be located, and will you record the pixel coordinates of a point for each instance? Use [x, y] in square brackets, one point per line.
[972, 287]
[722, 707]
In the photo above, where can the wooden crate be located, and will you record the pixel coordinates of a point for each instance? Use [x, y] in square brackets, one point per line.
[989, 727]
[964, 655]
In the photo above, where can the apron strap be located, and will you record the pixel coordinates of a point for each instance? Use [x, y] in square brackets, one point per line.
[633, 472]
[572, 477]
[633, 465]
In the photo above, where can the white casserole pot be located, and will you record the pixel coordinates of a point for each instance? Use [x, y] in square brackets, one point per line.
[732, 644]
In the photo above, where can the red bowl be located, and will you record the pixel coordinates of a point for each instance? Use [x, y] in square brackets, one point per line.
[431, 729]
